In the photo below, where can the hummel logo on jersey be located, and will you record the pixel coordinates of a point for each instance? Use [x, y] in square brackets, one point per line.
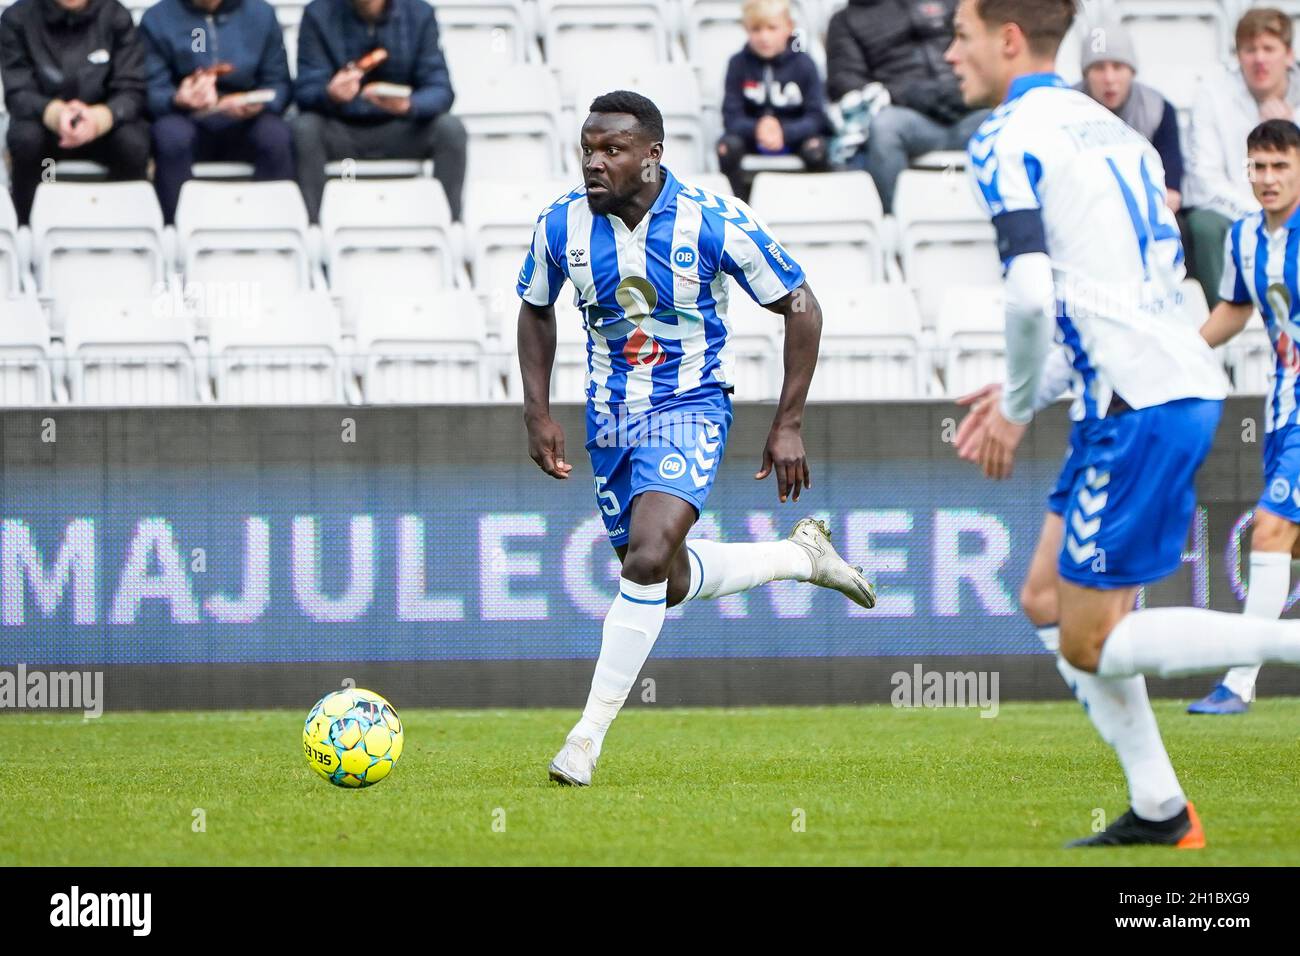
[775, 252]
[577, 258]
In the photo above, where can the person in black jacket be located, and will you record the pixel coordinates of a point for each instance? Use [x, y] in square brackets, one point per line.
[773, 101]
[899, 44]
[345, 115]
[73, 74]
[206, 59]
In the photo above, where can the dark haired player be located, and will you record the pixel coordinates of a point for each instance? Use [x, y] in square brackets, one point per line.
[649, 258]
[1090, 248]
[1261, 264]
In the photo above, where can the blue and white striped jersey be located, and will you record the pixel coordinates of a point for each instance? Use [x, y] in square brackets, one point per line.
[1097, 187]
[654, 298]
[1261, 267]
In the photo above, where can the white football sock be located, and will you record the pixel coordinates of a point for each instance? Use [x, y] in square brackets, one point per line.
[720, 569]
[1173, 641]
[1270, 582]
[1121, 712]
[631, 629]
[1051, 637]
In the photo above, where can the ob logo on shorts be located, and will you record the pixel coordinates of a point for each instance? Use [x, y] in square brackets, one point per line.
[672, 467]
[1279, 489]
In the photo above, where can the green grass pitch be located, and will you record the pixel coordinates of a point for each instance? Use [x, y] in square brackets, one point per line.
[872, 785]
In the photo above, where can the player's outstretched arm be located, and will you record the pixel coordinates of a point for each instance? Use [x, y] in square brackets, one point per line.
[1226, 321]
[536, 340]
[784, 451]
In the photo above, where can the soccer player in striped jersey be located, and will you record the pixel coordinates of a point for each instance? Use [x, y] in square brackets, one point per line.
[1090, 249]
[649, 259]
[1261, 265]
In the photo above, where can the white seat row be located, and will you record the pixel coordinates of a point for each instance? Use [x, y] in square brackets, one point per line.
[437, 350]
[289, 350]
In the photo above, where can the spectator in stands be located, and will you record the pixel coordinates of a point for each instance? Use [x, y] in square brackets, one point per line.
[1266, 85]
[203, 57]
[774, 103]
[900, 45]
[1109, 67]
[345, 114]
[73, 75]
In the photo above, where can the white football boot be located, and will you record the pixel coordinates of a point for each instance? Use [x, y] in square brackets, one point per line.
[829, 569]
[574, 764]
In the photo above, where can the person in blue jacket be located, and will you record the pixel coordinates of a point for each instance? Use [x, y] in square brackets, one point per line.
[202, 58]
[346, 111]
[774, 101]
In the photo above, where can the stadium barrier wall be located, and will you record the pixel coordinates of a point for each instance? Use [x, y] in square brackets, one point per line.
[240, 557]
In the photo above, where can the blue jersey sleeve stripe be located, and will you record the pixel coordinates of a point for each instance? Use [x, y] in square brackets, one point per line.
[1239, 291]
[1034, 172]
[732, 268]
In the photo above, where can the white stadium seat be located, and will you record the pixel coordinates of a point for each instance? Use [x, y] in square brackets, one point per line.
[500, 217]
[569, 373]
[513, 121]
[481, 37]
[603, 32]
[1251, 359]
[102, 239]
[128, 352]
[756, 345]
[253, 233]
[1176, 31]
[674, 89]
[286, 352]
[944, 237]
[715, 183]
[289, 15]
[1069, 55]
[387, 235]
[830, 222]
[871, 344]
[428, 350]
[971, 337]
[24, 354]
[138, 7]
[569, 379]
[13, 268]
[1178, 44]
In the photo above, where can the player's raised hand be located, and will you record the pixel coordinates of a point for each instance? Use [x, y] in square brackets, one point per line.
[784, 454]
[546, 446]
[970, 433]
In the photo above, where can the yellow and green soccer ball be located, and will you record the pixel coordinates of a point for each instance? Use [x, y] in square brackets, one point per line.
[352, 738]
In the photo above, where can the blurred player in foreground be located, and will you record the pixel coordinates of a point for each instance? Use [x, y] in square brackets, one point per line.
[1089, 246]
[649, 258]
[1261, 261]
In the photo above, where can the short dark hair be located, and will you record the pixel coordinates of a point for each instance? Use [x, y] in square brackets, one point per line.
[1043, 22]
[648, 118]
[1275, 135]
